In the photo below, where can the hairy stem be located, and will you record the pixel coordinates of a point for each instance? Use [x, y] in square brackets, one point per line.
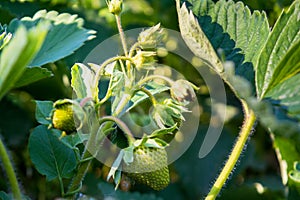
[122, 35]
[235, 154]
[7, 165]
[75, 184]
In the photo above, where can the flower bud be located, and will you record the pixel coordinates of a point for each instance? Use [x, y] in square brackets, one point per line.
[183, 92]
[167, 113]
[115, 6]
[151, 37]
[144, 60]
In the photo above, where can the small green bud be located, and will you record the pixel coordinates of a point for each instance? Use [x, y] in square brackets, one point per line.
[144, 60]
[151, 37]
[115, 6]
[183, 92]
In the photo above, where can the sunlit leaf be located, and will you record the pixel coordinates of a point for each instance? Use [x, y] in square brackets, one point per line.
[280, 51]
[83, 81]
[233, 31]
[196, 40]
[287, 96]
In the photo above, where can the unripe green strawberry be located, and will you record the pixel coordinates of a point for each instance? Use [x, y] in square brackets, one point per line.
[149, 167]
[63, 118]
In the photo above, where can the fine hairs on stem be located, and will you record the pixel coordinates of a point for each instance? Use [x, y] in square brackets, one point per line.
[244, 134]
[10, 172]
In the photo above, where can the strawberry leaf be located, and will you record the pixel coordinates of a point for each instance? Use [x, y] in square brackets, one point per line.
[286, 96]
[152, 87]
[82, 82]
[43, 112]
[32, 75]
[196, 40]
[50, 156]
[232, 30]
[18, 53]
[66, 34]
[280, 51]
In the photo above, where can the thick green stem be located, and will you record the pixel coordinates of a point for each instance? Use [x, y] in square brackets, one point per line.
[83, 166]
[10, 172]
[235, 154]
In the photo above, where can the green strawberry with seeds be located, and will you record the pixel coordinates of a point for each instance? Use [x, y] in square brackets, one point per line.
[149, 167]
[63, 118]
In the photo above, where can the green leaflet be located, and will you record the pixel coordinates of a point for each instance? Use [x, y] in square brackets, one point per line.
[82, 82]
[32, 75]
[140, 96]
[43, 112]
[196, 39]
[278, 60]
[287, 68]
[66, 34]
[233, 31]
[18, 53]
[50, 156]
[287, 96]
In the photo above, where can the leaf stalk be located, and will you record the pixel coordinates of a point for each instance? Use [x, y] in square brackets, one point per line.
[244, 134]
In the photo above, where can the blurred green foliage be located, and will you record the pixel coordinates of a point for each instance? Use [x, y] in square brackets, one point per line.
[257, 176]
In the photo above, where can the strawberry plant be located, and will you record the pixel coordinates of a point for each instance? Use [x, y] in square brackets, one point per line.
[122, 117]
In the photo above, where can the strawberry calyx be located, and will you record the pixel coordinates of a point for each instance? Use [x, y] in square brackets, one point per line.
[145, 161]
